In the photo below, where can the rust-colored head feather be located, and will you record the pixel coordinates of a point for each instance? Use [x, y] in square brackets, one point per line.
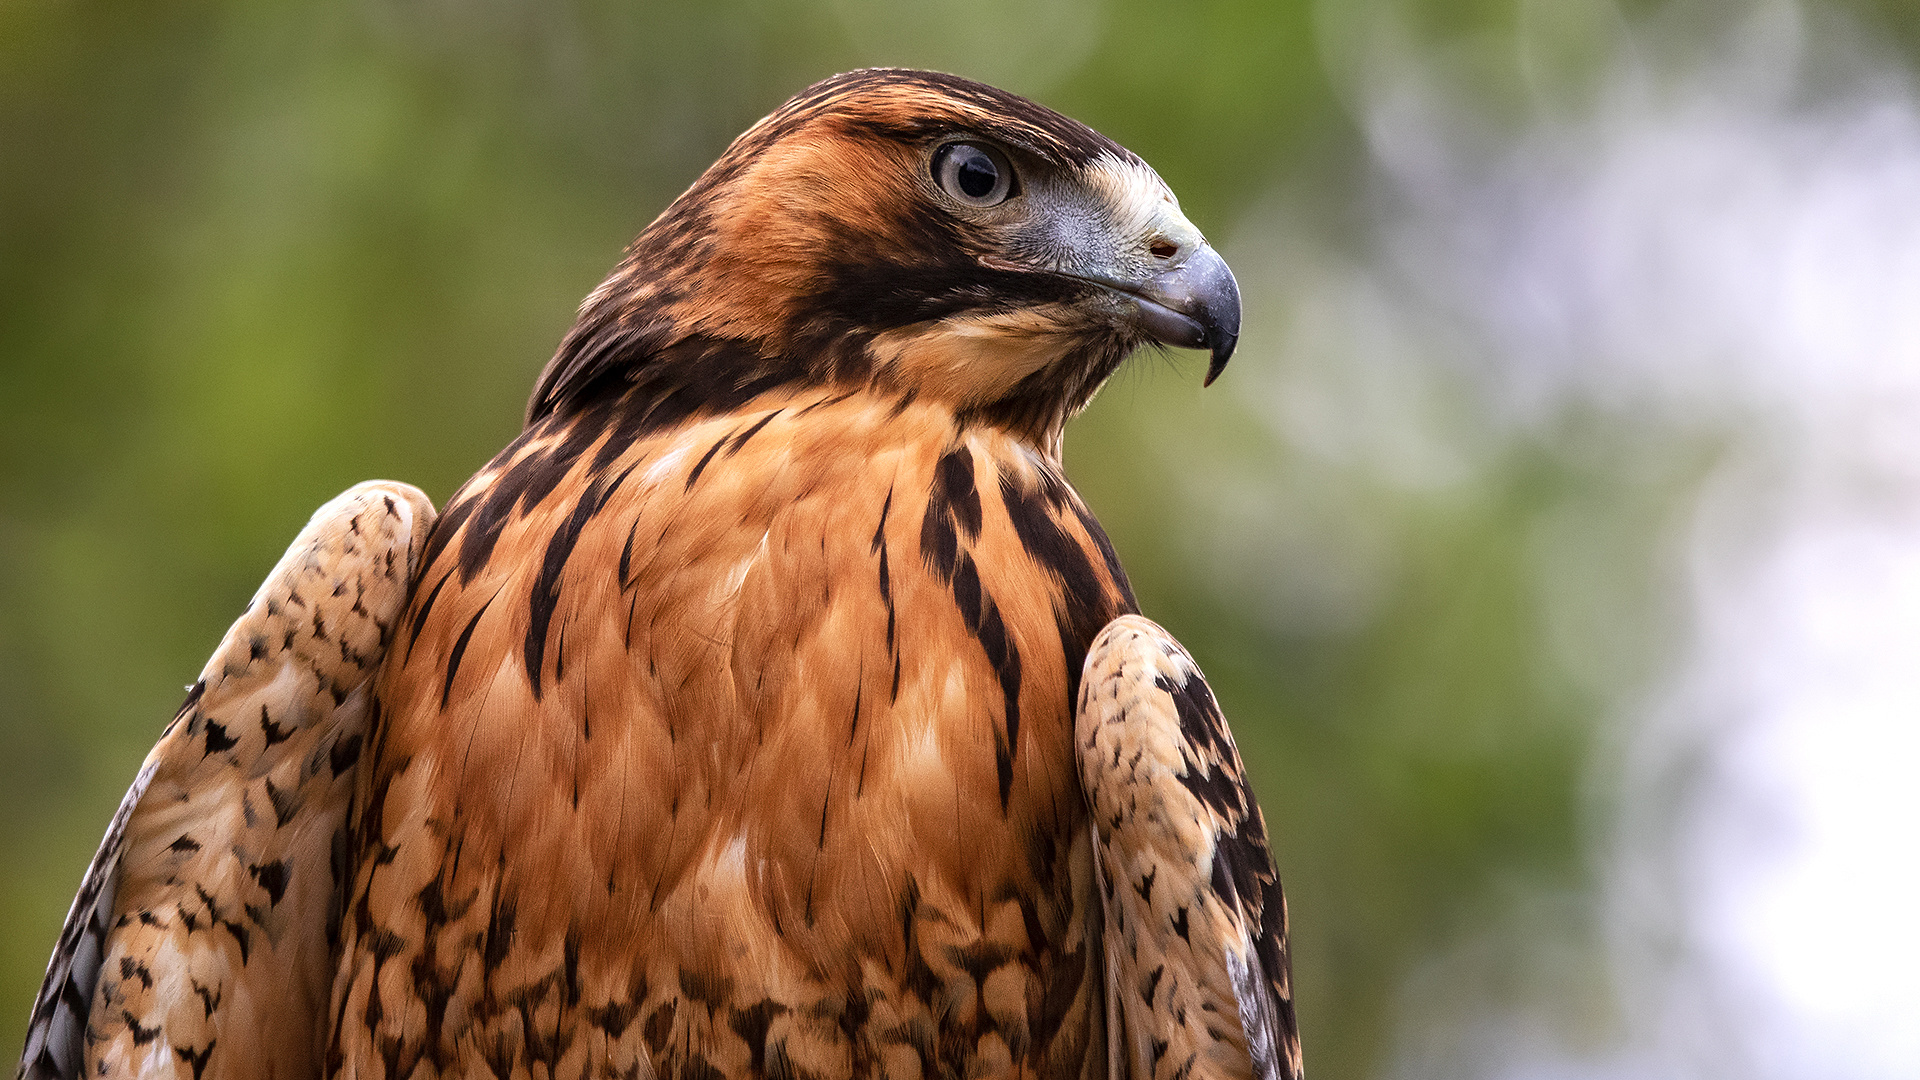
[822, 247]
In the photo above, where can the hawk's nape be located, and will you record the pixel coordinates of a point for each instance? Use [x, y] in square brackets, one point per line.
[1199, 981]
[202, 941]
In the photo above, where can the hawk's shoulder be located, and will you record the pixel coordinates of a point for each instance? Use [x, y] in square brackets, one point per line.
[1198, 977]
[201, 942]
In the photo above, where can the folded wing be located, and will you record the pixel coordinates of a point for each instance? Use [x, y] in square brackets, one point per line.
[1198, 982]
[201, 942]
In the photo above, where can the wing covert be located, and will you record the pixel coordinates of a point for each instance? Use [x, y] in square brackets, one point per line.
[201, 941]
[1198, 979]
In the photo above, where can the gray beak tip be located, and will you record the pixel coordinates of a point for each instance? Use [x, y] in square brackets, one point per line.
[1195, 305]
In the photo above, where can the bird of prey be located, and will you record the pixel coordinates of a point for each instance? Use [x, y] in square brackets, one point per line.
[771, 706]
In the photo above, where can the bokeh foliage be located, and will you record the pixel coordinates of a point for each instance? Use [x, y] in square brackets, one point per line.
[253, 253]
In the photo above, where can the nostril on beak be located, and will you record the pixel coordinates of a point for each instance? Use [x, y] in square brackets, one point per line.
[1163, 249]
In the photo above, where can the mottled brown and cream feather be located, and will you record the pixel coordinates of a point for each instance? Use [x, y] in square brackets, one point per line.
[1196, 932]
[202, 944]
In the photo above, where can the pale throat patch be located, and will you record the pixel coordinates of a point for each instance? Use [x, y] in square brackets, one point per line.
[972, 359]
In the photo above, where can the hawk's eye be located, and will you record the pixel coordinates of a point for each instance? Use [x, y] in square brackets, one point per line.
[975, 174]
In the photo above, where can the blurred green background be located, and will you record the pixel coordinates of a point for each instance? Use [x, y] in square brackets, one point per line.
[253, 253]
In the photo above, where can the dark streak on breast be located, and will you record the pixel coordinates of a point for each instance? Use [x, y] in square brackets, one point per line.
[626, 557]
[546, 590]
[1086, 602]
[460, 651]
[740, 440]
[886, 581]
[693, 475]
[953, 483]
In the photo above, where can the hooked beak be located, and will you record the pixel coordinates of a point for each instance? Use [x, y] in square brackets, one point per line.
[1195, 305]
[1192, 305]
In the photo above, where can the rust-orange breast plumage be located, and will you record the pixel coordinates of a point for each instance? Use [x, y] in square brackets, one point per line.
[730, 727]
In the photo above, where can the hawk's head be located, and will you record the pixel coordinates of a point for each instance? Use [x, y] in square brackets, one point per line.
[913, 232]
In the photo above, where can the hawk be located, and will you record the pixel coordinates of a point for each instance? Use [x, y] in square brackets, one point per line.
[771, 706]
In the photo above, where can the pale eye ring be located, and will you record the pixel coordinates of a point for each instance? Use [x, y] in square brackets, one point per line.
[973, 173]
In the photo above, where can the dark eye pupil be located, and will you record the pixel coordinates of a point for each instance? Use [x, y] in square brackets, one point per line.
[976, 175]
